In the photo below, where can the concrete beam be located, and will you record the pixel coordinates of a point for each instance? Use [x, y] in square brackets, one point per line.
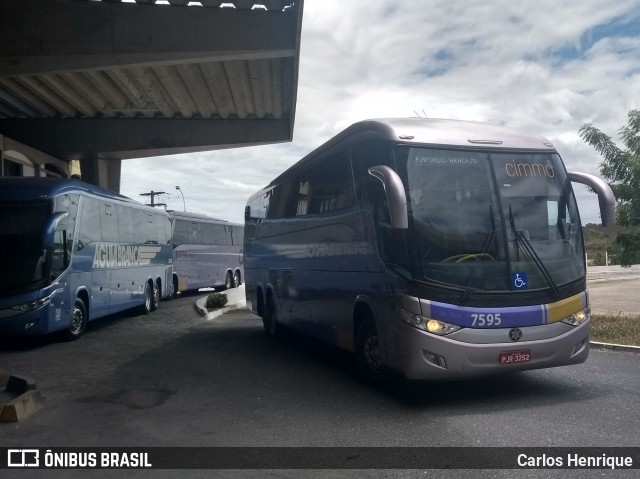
[70, 36]
[109, 138]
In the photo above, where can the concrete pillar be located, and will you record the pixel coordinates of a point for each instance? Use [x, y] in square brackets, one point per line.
[102, 172]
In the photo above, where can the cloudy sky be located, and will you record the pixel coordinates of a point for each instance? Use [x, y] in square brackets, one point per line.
[547, 66]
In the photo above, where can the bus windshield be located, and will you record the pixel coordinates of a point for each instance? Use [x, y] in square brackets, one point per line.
[21, 250]
[491, 221]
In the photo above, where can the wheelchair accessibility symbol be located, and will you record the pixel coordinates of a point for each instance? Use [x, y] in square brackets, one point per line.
[519, 280]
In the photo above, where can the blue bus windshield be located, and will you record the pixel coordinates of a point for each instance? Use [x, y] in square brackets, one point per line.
[22, 254]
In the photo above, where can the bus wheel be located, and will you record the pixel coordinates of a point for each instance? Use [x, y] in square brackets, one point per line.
[368, 352]
[155, 303]
[237, 279]
[270, 319]
[148, 299]
[78, 322]
[228, 281]
[175, 287]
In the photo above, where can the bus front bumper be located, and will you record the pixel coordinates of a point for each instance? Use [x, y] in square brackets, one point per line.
[31, 323]
[429, 357]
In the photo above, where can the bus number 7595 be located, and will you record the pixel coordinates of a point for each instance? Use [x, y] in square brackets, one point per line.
[486, 320]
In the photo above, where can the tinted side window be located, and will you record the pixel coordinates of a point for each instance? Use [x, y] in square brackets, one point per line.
[238, 236]
[208, 236]
[220, 235]
[167, 229]
[90, 228]
[125, 224]
[326, 187]
[195, 233]
[109, 221]
[259, 206]
[159, 221]
[280, 203]
[365, 155]
[139, 220]
[180, 232]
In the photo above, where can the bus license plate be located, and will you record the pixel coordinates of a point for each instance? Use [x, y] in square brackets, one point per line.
[511, 357]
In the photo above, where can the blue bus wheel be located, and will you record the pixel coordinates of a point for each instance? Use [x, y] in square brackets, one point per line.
[237, 279]
[78, 322]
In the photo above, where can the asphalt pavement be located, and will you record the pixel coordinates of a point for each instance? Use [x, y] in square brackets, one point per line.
[612, 290]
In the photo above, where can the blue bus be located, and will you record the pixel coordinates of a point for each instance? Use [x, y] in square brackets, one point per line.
[439, 249]
[207, 252]
[73, 252]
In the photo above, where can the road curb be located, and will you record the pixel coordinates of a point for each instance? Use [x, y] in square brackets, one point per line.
[203, 311]
[615, 347]
[27, 402]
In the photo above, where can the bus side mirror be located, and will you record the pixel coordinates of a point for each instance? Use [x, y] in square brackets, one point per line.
[247, 213]
[57, 222]
[394, 191]
[606, 199]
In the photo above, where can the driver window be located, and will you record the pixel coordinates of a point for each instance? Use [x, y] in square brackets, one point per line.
[60, 254]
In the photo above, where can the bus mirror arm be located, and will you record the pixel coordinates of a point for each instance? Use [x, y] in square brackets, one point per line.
[395, 193]
[56, 220]
[606, 199]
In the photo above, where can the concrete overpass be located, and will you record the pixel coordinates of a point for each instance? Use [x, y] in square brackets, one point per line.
[101, 81]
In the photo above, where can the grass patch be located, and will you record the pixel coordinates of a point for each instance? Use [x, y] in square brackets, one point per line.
[616, 329]
[215, 301]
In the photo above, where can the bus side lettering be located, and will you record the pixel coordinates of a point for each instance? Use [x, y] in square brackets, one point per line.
[115, 256]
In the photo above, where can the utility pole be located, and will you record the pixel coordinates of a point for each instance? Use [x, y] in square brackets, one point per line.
[153, 194]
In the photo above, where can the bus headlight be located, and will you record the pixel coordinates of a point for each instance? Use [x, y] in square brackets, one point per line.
[31, 305]
[430, 325]
[578, 318]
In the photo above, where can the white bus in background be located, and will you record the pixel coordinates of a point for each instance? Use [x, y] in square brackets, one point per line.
[207, 252]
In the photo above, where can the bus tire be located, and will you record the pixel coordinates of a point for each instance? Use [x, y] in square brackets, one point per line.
[155, 300]
[237, 279]
[368, 355]
[175, 287]
[270, 319]
[228, 280]
[148, 299]
[78, 322]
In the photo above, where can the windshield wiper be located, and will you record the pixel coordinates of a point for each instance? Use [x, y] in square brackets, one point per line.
[491, 237]
[520, 238]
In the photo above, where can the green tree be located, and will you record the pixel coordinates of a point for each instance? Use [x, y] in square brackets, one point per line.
[621, 167]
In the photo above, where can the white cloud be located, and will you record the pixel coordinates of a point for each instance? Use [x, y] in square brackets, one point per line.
[545, 66]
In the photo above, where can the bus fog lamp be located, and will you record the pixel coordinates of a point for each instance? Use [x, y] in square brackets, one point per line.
[578, 318]
[434, 359]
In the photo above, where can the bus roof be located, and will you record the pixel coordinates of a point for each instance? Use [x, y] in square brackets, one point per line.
[24, 188]
[184, 215]
[436, 132]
